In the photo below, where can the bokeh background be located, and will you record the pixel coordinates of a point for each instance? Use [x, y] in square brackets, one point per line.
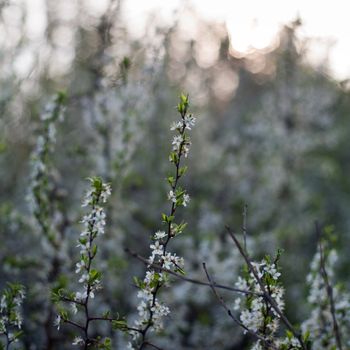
[268, 83]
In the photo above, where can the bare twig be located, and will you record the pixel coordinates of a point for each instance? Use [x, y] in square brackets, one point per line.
[191, 280]
[152, 345]
[74, 324]
[264, 291]
[329, 288]
[244, 227]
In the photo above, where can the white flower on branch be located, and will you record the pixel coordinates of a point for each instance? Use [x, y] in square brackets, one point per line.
[189, 121]
[160, 235]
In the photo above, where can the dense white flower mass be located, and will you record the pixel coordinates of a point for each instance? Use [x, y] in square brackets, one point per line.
[10, 312]
[41, 168]
[94, 225]
[320, 323]
[256, 313]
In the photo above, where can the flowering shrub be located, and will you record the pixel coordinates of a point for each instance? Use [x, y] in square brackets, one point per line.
[41, 186]
[329, 321]
[10, 314]
[89, 277]
[84, 315]
[257, 316]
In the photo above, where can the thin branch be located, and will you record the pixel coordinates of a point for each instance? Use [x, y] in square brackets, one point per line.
[191, 280]
[152, 345]
[263, 289]
[329, 288]
[74, 324]
[244, 227]
[114, 319]
[71, 300]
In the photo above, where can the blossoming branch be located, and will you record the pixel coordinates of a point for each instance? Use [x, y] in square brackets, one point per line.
[150, 309]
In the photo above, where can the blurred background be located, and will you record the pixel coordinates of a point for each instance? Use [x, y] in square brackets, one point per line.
[268, 83]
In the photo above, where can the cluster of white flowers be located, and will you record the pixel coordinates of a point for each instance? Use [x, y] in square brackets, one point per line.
[179, 197]
[256, 313]
[188, 122]
[54, 111]
[10, 315]
[94, 226]
[181, 142]
[289, 343]
[149, 305]
[38, 196]
[320, 323]
[150, 310]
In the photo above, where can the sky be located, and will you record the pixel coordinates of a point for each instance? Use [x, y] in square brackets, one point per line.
[253, 24]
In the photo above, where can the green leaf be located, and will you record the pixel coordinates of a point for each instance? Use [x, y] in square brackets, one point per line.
[167, 219]
[180, 271]
[94, 275]
[94, 250]
[289, 334]
[173, 157]
[106, 314]
[125, 63]
[182, 170]
[171, 180]
[138, 282]
[120, 325]
[306, 336]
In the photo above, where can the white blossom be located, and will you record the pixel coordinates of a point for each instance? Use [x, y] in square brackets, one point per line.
[10, 312]
[320, 322]
[172, 196]
[185, 199]
[177, 141]
[189, 121]
[253, 309]
[160, 235]
[157, 248]
[176, 125]
[78, 341]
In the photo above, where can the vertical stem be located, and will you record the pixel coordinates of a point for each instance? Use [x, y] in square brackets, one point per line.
[173, 208]
[329, 289]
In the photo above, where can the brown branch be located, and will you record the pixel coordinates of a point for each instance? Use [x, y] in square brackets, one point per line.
[191, 280]
[152, 345]
[73, 324]
[244, 226]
